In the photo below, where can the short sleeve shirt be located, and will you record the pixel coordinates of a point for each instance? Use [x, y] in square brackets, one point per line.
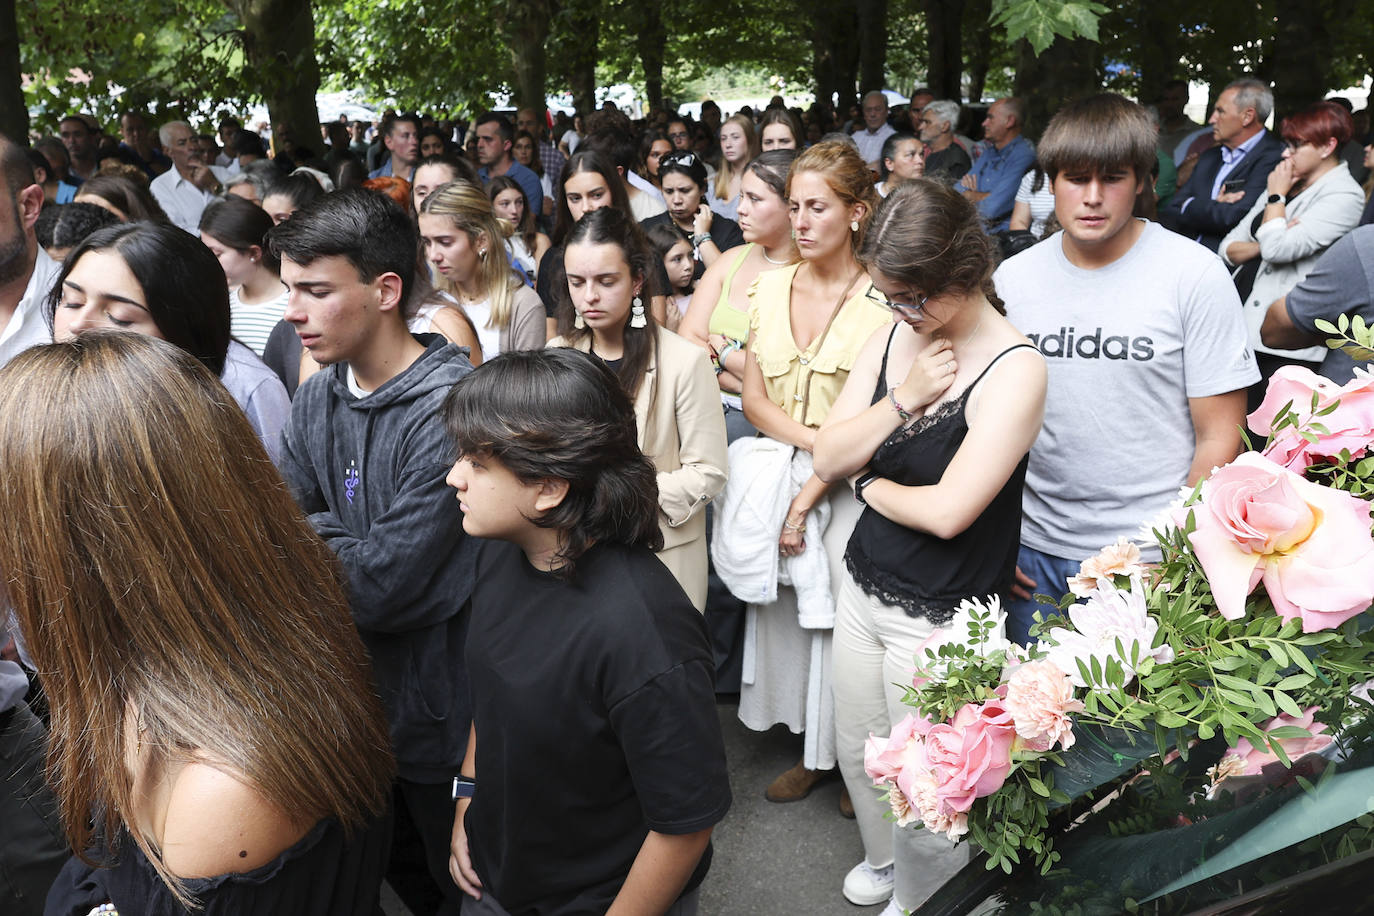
[1340, 283]
[594, 708]
[1126, 346]
[805, 383]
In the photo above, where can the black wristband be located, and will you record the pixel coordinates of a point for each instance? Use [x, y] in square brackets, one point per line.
[861, 483]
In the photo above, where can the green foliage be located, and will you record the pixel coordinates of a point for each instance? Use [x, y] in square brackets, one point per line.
[101, 57]
[1040, 22]
[442, 55]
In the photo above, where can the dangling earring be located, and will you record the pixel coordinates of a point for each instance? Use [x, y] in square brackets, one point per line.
[578, 321]
[637, 319]
[482, 254]
[854, 225]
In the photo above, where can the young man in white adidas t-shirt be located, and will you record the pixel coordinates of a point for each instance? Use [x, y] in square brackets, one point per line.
[1146, 347]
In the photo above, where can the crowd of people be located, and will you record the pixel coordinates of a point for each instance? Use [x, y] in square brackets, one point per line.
[395, 507]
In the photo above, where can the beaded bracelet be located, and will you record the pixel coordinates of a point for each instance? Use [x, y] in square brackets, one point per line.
[901, 411]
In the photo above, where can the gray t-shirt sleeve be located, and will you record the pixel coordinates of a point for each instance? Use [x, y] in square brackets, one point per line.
[1337, 284]
[1217, 356]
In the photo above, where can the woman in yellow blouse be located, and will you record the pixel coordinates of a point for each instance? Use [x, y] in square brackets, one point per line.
[808, 321]
[677, 409]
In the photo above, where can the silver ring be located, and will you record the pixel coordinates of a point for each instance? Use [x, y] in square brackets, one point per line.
[950, 365]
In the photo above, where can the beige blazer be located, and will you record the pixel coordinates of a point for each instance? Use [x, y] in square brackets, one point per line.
[682, 431]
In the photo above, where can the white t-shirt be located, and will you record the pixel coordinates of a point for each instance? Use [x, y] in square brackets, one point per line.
[27, 326]
[1041, 202]
[253, 324]
[1126, 346]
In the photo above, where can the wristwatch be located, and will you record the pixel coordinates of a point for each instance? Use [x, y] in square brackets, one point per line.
[1274, 199]
[463, 787]
[861, 483]
[700, 238]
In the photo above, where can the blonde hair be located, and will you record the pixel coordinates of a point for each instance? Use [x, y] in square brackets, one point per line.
[467, 207]
[728, 171]
[846, 174]
[157, 564]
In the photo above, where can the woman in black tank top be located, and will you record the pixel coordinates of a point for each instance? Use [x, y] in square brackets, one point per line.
[933, 427]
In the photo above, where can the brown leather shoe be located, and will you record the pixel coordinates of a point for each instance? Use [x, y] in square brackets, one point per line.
[795, 784]
[846, 804]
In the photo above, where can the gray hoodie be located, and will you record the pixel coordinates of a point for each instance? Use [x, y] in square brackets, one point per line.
[369, 472]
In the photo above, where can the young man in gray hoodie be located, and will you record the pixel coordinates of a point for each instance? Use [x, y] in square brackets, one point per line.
[365, 455]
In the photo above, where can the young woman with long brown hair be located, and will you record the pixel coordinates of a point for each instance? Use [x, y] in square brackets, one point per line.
[216, 738]
[605, 312]
[807, 323]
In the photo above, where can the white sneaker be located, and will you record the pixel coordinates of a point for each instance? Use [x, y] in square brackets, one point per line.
[866, 885]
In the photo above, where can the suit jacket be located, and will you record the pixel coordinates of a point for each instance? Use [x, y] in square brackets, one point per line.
[682, 431]
[1207, 220]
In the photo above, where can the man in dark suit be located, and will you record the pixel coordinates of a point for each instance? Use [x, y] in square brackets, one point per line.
[1228, 177]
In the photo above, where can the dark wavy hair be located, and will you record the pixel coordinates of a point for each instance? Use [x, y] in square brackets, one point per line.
[588, 161]
[609, 226]
[928, 237]
[560, 413]
[183, 285]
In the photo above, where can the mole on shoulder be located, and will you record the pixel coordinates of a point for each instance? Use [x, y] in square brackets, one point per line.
[243, 853]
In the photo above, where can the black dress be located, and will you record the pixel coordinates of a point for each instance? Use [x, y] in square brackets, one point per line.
[323, 874]
[925, 575]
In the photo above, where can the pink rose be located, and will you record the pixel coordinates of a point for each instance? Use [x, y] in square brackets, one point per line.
[885, 757]
[970, 757]
[1040, 698]
[1350, 426]
[1309, 544]
[1253, 760]
[1120, 559]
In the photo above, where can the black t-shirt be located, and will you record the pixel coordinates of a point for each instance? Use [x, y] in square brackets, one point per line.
[552, 280]
[594, 706]
[950, 163]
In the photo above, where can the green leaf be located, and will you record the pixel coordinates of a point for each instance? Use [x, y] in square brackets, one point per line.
[1285, 702]
[1284, 732]
[1294, 681]
[1038, 787]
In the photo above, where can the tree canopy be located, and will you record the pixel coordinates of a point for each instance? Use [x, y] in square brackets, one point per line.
[456, 56]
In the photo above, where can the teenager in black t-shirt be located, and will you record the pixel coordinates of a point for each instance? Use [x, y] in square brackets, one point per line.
[596, 756]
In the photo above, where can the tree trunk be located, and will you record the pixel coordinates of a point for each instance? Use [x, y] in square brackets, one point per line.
[944, 42]
[650, 41]
[1068, 70]
[585, 24]
[979, 40]
[526, 28]
[14, 117]
[834, 54]
[1298, 62]
[1159, 55]
[279, 56]
[872, 25]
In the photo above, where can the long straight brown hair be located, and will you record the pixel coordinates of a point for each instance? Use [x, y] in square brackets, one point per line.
[156, 562]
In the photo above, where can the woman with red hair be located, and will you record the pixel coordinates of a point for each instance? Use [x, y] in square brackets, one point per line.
[1312, 201]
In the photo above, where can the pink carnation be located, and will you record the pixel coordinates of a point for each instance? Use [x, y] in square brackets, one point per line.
[1120, 559]
[1040, 699]
[918, 787]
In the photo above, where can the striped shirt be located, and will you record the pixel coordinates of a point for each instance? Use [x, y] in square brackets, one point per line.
[251, 325]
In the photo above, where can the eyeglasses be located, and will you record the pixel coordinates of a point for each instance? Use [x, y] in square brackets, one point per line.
[677, 134]
[915, 310]
[1294, 145]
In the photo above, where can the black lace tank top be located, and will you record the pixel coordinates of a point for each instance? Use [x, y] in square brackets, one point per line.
[925, 575]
